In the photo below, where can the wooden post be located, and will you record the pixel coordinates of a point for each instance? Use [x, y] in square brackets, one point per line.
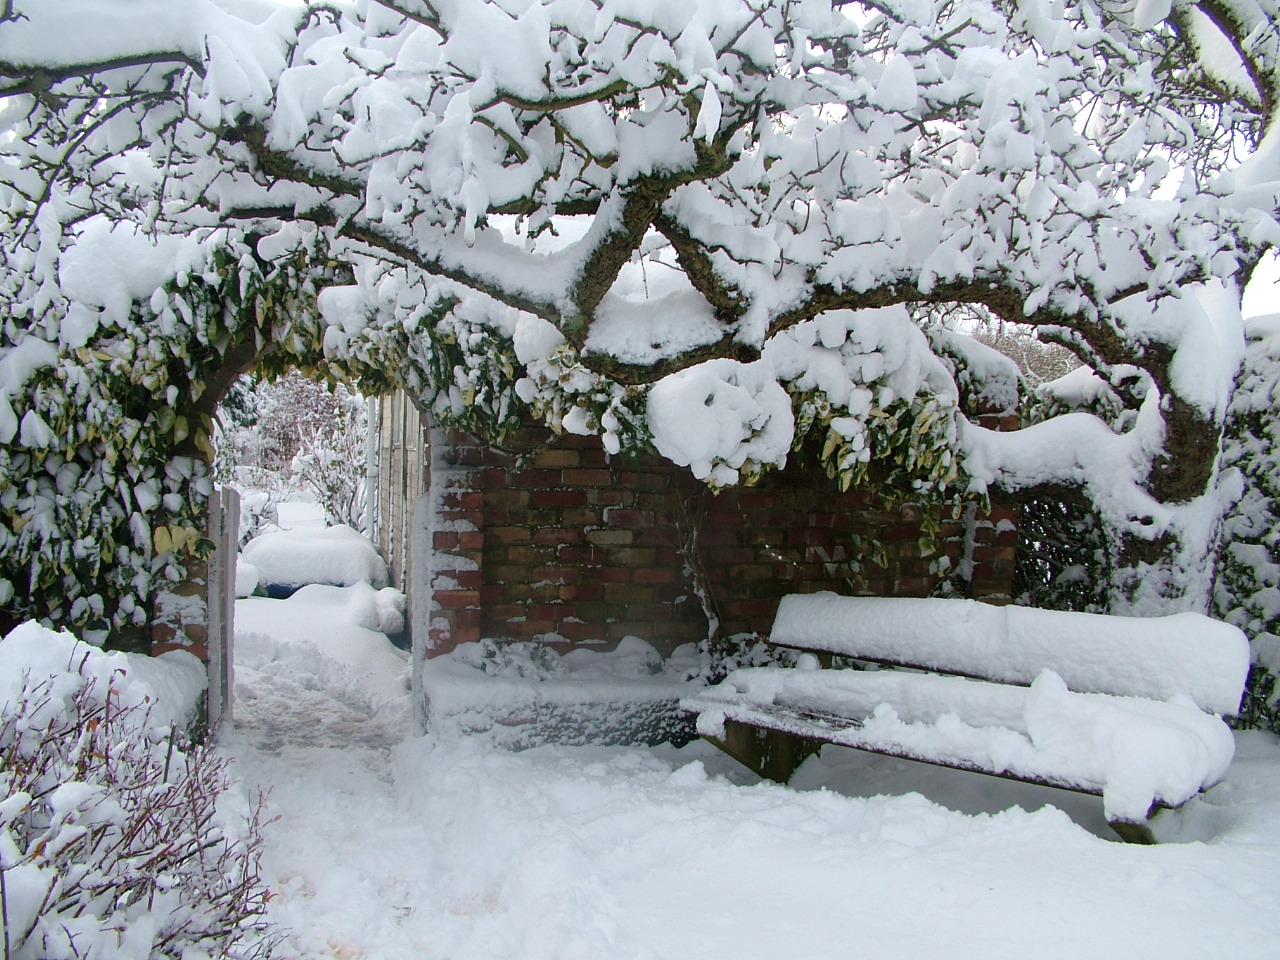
[772, 754]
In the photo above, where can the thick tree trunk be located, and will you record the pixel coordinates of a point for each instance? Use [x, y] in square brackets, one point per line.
[1172, 569]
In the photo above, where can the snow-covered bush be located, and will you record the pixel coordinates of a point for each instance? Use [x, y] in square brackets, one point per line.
[1065, 559]
[1062, 561]
[266, 422]
[238, 443]
[117, 836]
[289, 434]
[104, 484]
[259, 511]
[1247, 591]
[331, 468]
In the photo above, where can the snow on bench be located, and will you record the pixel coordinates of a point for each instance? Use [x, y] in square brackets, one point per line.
[1157, 657]
[1113, 706]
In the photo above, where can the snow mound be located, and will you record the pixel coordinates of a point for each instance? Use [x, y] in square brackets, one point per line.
[248, 578]
[521, 695]
[299, 515]
[168, 686]
[333, 630]
[338, 556]
[715, 417]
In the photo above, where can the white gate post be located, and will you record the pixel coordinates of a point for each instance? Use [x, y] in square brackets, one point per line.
[224, 531]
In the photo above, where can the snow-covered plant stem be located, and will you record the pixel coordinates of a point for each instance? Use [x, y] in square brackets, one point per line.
[690, 514]
[116, 839]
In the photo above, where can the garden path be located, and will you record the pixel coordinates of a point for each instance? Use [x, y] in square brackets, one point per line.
[392, 845]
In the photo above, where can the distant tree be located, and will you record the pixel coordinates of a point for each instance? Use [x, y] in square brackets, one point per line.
[1038, 361]
[331, 460]
[265, 423]
[291, 434]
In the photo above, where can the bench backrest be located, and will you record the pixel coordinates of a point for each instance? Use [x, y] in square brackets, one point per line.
[1157, 658]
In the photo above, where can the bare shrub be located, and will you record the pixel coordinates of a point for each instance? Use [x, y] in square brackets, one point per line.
[116, 838]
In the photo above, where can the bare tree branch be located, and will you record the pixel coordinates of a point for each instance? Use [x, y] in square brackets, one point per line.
[38, 80]
[727, 301]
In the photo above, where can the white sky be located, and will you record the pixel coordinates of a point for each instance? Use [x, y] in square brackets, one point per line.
[1263, 294]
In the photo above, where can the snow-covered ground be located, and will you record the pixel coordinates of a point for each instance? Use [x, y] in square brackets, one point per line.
[393, 845]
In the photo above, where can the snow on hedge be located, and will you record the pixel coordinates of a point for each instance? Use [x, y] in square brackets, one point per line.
[169, 686]
[118, 837]
[1247, 592]
[1184, 654]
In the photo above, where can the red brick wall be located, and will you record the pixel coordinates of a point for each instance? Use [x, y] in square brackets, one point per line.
[566, 542]
[457, 542]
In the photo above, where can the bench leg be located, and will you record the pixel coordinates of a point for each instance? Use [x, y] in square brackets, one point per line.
[1131, 831]
[770, 753]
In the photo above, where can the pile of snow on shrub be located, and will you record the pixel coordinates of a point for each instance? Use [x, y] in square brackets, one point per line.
[117, 837]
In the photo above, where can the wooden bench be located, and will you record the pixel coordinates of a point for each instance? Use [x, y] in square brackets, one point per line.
[1128, 709]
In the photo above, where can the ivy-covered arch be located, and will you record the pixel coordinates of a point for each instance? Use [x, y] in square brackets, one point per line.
[106, 430]
[1101, 171]
[107, 424]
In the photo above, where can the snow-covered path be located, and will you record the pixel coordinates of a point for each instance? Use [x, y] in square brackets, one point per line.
[392, 845]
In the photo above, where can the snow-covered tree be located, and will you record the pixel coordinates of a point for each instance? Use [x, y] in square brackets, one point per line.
[331, 460]
[293, 434]
[263, 423]
[695, 226]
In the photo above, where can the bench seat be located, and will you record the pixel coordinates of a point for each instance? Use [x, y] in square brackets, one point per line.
[1132, 752]
[1185, 654]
